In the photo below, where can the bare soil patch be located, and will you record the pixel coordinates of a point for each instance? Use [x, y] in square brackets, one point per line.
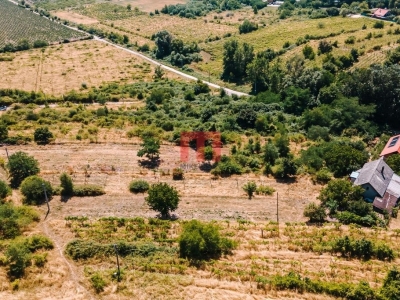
[75, 17]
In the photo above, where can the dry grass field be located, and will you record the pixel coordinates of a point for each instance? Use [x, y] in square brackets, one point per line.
[263, 249]
[62, 68]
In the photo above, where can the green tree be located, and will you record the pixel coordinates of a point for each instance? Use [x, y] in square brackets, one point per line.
[308, 52]
[18, 258]
[67, 186]
[270, 153]
[149, 148]
[208, 153]
[20, 166]
[315, 213]
[338, 194]
[394, 162]
[324, 47]
[163, 40]
[32, 188]
[250, 188]
[158, 72]
[342, 159]
[202, 241]
[139, 186]
[282, 144]
[3, 132]
[163, 198]
[42, 136]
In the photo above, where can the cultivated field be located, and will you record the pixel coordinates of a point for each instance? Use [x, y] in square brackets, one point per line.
[213, 30]
[18, 24]
[65, 67]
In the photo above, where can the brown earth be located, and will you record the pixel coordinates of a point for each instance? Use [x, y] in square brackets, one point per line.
[146, 5]
[61, 68]
[75, 18]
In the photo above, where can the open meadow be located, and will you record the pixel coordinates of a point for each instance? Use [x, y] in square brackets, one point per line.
[62, 68]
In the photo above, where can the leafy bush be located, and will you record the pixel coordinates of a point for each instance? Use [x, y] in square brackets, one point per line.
[315, 213]
[20, 166]
[247, 27]
[323, 175]
[265, 190]
[32, 188]
[5, 190]
[139, 186]
[42, 136]
[250, 187]
[202, 241]
[78, 249]
[67, 187]
[18, 258]
[37, 242]
[98, 282]
[379, 24]
[177, 174]
[88, 190]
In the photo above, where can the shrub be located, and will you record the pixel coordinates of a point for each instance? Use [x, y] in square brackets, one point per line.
[98, 282]
[20, 166]
[177, 174]
[265, 190]
[202, 241]
[9, 228]
[323, 175]
[88, 190]
[67, 187]
[350, 40]
[33, 190]
[5, 190]
[42, 136]
[315, 213]
[250, 187]
[163, 198]
[247, 27]
[379, 24]
[40, 259]
[37, 242]
[18, 258]
[139, 186]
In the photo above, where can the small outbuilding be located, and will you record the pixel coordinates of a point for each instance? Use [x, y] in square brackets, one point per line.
[381, 13]
[391, 147]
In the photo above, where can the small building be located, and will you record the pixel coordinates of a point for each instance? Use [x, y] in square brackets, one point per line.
[381, 184]
[392, 147]
[381, 13]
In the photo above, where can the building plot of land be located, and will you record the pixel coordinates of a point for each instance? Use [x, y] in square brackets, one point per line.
[62, 68]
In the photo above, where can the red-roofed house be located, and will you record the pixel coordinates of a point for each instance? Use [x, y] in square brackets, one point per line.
[381, 13]
[392, 146]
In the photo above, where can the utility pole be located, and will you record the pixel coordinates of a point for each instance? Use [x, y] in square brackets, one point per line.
[47, 200]
[116, 254]
[277, 210]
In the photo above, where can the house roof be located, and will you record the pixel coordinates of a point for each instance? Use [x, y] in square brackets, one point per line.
[378, 174]
[387, 202]
[392, 146]
[380, 12]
